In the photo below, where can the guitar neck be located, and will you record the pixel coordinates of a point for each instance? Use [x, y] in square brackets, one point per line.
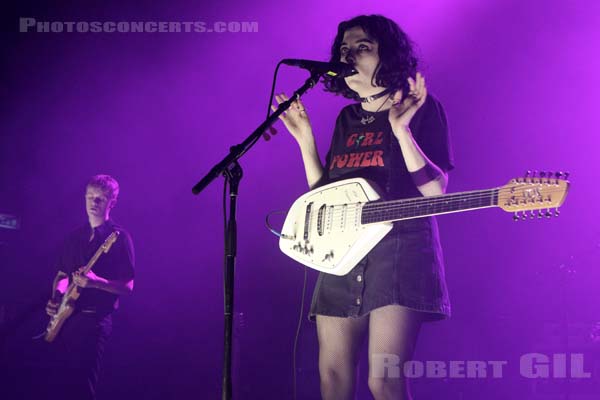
[103, 248]
[72, 286]
[93, 260]
[396, 210]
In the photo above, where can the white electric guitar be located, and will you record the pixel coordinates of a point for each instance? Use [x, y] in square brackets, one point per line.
[333, 227]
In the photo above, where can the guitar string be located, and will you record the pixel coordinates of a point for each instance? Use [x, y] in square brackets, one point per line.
[457, 196]
[400, 204]
[338, 221]
[436, 199]
[396, 206]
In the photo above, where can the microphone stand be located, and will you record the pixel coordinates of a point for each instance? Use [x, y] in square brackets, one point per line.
[232, 171]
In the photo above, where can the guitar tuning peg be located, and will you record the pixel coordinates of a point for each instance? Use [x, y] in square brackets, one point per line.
[523, 216]
[527, 174]
[567, 175]
[531, 214]
[516, 217]
[542, 174]
[556, 212]
[558, 174]
[540, 214]
[547, 214]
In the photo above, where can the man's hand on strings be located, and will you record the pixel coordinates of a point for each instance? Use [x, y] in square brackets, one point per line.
[85, 280]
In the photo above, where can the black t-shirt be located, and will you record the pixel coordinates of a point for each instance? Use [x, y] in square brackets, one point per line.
[117, 264]
[370, 150]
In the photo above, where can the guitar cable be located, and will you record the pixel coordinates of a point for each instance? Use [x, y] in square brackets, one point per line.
[273, 231]
[298, 328]
[266, 136]
[300, 315]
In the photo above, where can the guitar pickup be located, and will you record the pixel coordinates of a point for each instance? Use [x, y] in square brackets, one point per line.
[307, 220]
[321, 219]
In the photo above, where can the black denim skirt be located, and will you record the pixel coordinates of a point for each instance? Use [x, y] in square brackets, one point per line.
[406, 267]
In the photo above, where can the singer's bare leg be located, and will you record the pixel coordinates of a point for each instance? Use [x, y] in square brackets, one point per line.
[340, 340]
[393, 332]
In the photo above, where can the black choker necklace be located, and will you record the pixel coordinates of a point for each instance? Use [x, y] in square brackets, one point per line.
[370, 115]
[370, 99]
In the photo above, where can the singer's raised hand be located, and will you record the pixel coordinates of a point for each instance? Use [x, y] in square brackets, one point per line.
[405, 107]
[295, 119]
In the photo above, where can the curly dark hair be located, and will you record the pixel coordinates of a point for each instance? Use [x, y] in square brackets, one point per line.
[397, 60]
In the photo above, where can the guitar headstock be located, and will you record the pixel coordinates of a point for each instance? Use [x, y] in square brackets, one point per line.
[535, 191]
[112, 238]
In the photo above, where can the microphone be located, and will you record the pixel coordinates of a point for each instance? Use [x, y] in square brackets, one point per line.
[334, 69]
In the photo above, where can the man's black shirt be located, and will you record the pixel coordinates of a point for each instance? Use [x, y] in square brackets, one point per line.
[117, 264]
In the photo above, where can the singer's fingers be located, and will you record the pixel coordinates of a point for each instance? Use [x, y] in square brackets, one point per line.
[397, 97]
[281, 98]
[411, 86]
[281, 116]
[423, 96]
[420, 82]
[301, 107]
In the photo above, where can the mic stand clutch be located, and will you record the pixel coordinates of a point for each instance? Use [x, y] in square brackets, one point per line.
[231, 169]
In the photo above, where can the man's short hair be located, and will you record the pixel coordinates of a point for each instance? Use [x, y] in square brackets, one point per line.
[107, 184]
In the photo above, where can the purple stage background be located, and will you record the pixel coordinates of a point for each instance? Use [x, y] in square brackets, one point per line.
[156, 110]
